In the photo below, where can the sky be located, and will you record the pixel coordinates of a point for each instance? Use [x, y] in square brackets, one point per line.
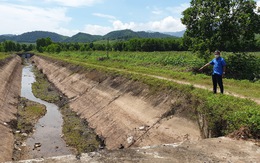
[96, 17]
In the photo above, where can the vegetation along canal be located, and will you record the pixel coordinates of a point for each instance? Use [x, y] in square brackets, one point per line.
[46, 140]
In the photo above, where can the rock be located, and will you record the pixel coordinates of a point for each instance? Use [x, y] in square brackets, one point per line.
[36, 145]
[18, 131]
[24, 134]
[142, 128]
[130, 139]
[17, 148]
[121, 146]
[23, 144]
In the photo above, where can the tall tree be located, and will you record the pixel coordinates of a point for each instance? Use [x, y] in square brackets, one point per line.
[221, 24]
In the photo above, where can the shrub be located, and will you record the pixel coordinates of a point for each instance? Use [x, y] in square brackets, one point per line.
[243, 66]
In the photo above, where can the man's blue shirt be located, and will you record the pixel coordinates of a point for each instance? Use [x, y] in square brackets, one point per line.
[218, 64]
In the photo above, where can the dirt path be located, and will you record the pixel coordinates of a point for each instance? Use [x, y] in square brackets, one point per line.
[202, 87]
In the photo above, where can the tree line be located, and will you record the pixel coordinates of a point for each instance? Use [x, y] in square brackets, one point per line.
[134, 44]
[10, 46]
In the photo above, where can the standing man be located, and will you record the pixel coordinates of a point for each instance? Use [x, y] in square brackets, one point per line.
[219, 68]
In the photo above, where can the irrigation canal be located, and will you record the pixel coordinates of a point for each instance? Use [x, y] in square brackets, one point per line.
[48, 130]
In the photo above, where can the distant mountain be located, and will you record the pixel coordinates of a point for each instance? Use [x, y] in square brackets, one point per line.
[177, 34]
[83, 37]
[6, 37]
[121, 35]
[31, 37]
[128, 34]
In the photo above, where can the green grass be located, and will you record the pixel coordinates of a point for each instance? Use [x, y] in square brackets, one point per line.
[4, 55]
[43, 89]
[76, 134]
[29, 112]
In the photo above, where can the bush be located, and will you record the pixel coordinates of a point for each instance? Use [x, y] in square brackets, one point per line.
[243, 66]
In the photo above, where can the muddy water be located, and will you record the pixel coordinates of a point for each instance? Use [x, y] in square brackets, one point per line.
[48, 130]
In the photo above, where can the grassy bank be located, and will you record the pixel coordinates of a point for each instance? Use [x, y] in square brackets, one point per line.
[224, 114]
[4, 55]
[173, 65]
[76, 132]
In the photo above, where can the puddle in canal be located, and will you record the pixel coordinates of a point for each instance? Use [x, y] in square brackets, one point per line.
[48, 130]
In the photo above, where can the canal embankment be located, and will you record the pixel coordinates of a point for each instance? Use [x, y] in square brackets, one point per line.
[123, 112]
[10, 88]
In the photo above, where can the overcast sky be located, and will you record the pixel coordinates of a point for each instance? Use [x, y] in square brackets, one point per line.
[68, 17]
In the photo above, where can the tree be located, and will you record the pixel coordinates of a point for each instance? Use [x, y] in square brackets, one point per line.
[43, 42]
[221, 24]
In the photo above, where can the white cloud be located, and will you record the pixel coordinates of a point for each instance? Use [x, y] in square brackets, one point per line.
[168, 24]
[177, 10]
[20, 19]
[157, 11]
[117, 25]
[104, 16]
[97, 29]
[75, 3]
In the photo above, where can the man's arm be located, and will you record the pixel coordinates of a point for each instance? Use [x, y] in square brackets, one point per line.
[206, 65]
[224, 70]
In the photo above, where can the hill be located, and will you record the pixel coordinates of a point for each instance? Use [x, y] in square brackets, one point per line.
[31, 37]
[128, 34]
[83, 37]
[177, 34]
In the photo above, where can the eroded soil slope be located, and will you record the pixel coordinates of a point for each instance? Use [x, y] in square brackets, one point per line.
[10, 88]
[123, 112]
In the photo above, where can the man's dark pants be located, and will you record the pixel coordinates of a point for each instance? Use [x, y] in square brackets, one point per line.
[217, 79]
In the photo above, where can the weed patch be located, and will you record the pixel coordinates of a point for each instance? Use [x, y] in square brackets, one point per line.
[76, 134]
[29, 113]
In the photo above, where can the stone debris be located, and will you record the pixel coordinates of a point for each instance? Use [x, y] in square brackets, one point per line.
[24, 134]
[130, 139]
[17, 148]
[36, 146]
[143, 128]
